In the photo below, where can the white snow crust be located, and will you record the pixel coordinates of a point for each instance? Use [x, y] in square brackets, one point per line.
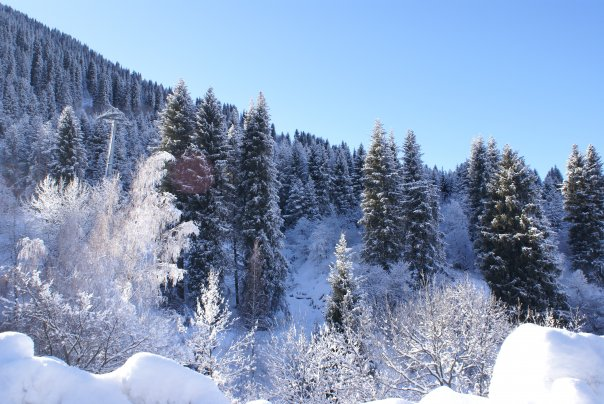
[144, 378]
[536, 365]
[540, 365]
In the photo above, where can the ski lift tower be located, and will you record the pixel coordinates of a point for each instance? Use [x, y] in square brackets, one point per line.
[114, 116]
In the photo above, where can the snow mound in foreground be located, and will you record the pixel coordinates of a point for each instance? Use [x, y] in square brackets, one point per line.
[539, 365]
[547, 365]
[536, 365]
[144, 378]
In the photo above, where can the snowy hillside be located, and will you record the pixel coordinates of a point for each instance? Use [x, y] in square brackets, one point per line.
[252, 263]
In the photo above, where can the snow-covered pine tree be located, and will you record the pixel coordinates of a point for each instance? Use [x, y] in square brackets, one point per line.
[102, 99]
[210, 209]
[318, 169]
[42, 153]
[594, 180]
[423, 245]
[282, 156]
[188, 174]
[518, 258]
[394, 152]
[96, 145]
[358, 160]
[211, 319]
[584, 205]
[299, 162]
[342, 191]
[234, 173]
[260, 219]
[382, 236]
[296, 201]
[70, 159]
[311, 210]
[14, 152]
[342, 303]
[477, 181]
[493, 158]
[177, 124]
[91, 79]
[553, 202]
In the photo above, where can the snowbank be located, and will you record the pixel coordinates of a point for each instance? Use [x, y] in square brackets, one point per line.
[547, 365]
[536, 365]
[144, 378]
[444, 395]
[539, 365]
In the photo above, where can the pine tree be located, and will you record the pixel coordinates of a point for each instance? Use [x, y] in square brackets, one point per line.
[382, 238]
[358, 160]
[295, 206]
[342, 191]
[423, 248]
[318, 169]
[283, 164]
[234, 140]
[42, 153]
[211, 319]
[518, 260]
[103, 96]
[299, 162]
[177, 126]
[70, 159]
[210, 209]
[493, 158]
[553, 202]
[91, 79]
[311, 209]
[595, 192]
[260, 219]
[37, 68]
[584, 204]
[97, 146]
[477, 182]
[342, 303]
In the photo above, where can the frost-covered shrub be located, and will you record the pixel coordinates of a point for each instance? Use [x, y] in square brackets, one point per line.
[444, 336]
[327, 366]
[88, 287]
[383, 287]
[323, 238]
[587, 298]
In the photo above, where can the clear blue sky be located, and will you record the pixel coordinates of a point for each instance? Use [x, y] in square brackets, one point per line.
[530, 73]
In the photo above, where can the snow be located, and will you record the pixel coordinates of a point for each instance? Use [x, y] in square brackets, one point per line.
[144, 378]
[310, 250]
[547, 365]
[538, 365]
[444, 395]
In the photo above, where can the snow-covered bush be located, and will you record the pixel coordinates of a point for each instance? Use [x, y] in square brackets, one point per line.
[381, 286]
[88, 288]
[587, 298]
[328, 366]
[445, 336]
[322, 239]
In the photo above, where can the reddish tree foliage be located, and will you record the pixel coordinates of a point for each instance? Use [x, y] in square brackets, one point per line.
[191, 174]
